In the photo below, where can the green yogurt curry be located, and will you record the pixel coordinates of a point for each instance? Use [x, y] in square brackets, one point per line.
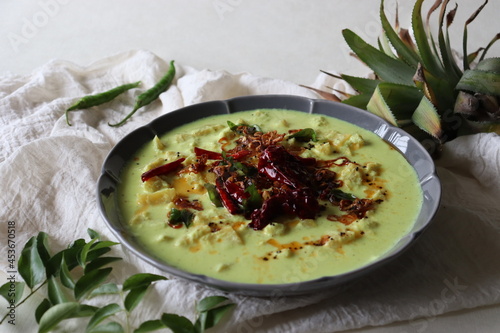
[269, 196]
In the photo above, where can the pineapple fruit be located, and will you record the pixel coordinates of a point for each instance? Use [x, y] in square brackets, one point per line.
[418, 84]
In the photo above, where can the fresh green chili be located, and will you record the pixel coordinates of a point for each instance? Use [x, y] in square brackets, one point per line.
[101, 98]
[151, 94]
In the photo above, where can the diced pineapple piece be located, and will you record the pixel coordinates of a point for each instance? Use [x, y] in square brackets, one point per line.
[283, 123]
[139, 218]
[156, 198]
[355, 141]
[155, 184]
[204, 131]
[307, 223]
[372, 169]
[226, 237]
[158, 145]
[320, 121]
[275, 229]
[195, 181]
[323, 148]
[193, 235]
[156, 163]
[222, 267]
[352, 175]
[163, 238]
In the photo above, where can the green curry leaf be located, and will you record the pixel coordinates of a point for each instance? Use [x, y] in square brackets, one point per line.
[134, 296]
[65, 276]
[181, 216]
[93, 234]
[213, 194]
[110, 327]
[306, 134]
[41, 309]
[251, 128]
[90, 281]
[140, 280]
[30, 265]
[63, 311]
[178, 324]
[254, 200]
[150, 326]
[102, 314]
[341, 195]
[12, 293]
[55, 292]
[211, 311]
[105, 289]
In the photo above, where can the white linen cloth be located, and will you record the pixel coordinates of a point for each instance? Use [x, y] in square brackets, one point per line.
[48, 173]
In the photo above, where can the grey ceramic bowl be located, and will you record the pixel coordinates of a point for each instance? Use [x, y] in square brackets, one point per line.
[125, 149]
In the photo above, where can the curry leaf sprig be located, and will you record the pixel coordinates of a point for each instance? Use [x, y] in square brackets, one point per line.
[142, 100]
[81, 272]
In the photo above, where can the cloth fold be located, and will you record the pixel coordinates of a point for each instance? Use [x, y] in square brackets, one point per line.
[48, 172]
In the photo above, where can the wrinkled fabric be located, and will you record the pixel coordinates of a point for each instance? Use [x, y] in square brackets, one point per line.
[49, 170]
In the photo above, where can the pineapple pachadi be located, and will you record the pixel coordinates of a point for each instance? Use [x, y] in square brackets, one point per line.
[269, 203]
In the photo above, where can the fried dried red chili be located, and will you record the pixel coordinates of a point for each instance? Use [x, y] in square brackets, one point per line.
[162, 170]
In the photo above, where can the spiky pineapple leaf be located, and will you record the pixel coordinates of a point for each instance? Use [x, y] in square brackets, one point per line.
[452, 70]
[427, 118]
[489, 65]
[466, 64]
[378, 106]
[386, 67]
[359, 101]
[402, 100]
[471, 57]
[429, 59]
[325, 94]
[421, 82]
[432, 42]
[490, 44]
[480, 82]
[407, 54]
[440, 92]
[361, 85]
[385, 46]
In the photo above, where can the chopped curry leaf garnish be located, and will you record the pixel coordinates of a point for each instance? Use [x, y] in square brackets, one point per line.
[213, 195]
[251, 128]
[341, 195]
[232, 126]
[306, 134]
[254, 200]
[178, 216]
[240, 168]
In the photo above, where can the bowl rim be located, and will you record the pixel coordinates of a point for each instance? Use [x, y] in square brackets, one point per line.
[109, 177]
